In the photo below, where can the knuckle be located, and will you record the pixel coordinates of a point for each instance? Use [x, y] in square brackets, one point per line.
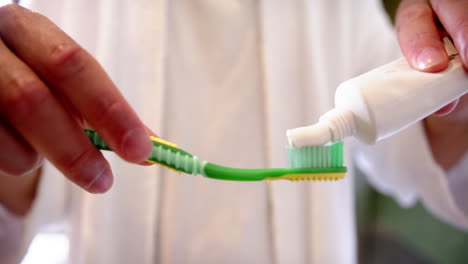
[409, 13]
[24, 99]
[79, 162]
[66, 60]
[12, 14]
[421, 36]
[76, 161]
[108, 109]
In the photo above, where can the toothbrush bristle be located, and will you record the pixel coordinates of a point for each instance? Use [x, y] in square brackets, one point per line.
[317, 156]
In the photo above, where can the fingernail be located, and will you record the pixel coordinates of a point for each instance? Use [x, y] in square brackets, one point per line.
[429, 58]
[102, 182]
[137, 145]
[447, 109]
[39, 162]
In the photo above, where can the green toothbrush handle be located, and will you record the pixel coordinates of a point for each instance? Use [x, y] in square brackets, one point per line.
[96, 139]
[234, 174]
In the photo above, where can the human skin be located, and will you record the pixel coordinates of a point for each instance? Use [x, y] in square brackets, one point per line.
[49, 88]
[420, 26]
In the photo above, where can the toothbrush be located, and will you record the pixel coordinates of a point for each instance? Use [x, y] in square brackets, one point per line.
[312, 163]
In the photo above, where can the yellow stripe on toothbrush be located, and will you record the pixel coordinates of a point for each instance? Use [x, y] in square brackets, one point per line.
[333, 176]
[162, 141]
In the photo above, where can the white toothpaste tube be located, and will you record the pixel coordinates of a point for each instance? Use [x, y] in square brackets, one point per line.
[384, 101]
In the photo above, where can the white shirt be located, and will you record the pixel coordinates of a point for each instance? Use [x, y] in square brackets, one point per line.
[225, 80]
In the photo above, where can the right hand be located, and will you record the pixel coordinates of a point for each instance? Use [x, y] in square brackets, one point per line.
[419, 36]
[49, 86]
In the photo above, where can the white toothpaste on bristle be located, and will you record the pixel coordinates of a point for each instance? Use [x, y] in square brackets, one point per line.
[384, 101]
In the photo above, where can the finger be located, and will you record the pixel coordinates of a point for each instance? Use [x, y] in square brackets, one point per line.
[73, 73]
[419, 37]
[447, 109]
[151, 133]
[16, 156]
[459, 113]
[454, 17]
[71, 110]
[28, 105]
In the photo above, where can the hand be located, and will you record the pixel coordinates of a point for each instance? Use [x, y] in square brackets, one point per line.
[420, 25]
[50, 86]
[18, 193]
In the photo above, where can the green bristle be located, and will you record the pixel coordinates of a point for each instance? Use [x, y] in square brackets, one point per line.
[330, 156]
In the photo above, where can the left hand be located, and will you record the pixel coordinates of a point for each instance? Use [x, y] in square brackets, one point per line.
[419, 35]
